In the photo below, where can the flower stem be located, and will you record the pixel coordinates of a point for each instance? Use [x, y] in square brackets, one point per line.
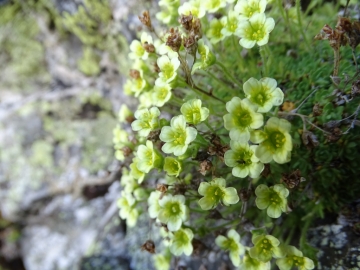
[264, 59]
[223, 68]
[298, 13]
[236, 46]
[176, 101]
[285, 17]
[208, 125]
[220, 82]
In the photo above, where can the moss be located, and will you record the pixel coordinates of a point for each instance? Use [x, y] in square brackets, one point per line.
[89, 63]
[21, 54]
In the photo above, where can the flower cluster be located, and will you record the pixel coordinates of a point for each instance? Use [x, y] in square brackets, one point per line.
[201, 139]
[247, 20]
[244, 119]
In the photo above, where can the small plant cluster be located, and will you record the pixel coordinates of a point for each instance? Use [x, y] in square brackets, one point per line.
[207, 143]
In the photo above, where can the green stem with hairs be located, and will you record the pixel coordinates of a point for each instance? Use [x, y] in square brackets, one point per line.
[298, 13]
[224, 69]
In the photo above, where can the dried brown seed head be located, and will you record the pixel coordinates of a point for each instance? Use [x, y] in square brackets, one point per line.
[245, 194]
[355, 88]
[186, 21]
[317, 109]
[127, 151]
[149, 246]
[135, 74]
[149, 47]
[196, 28]
[292, 179]
[205, 166]
[174, 40]
[162, 188]
[309, 139]
[145, 19]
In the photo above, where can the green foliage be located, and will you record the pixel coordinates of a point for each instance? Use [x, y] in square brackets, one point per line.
[88, 22]
[21, 54]
[89, 63]
[300, 166]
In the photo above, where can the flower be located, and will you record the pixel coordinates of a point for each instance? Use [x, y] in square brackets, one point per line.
[161, 261]
[177, 137]
[161, 94]
[135, 86]
[173, 211]
[247, 8]
[127, 181]
[169, 11]
[168, 67]
[275, 141]
[135, 172]
[265, 247]
[232, 244]
[249, 263]
[162, 49]
[294, 258]
[194, 7]
[215, 192]
[137, 49]
[263, 93]
[172, 166]
[241, 118]
[127, 204]
[153, 202]
[146, 121]
[214, 32]
[193, 112]
[124, 114]
[273, 198]
[181, 242]
[212, 6]
[232, 21]
[148, 158]
[140, 194]
[120, 140]
[243, 160]
[145, 100]
[255, 31]
[207, 58]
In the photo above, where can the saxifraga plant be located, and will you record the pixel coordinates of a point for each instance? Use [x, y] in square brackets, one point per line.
[239, 133]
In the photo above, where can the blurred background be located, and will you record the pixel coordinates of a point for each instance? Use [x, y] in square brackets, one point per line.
[61, 83]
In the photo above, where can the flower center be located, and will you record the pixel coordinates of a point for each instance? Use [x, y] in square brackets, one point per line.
[145, 124]
[217, 194]
[260, 97]
[175, 208]
[255, 32]
[250, 10]
[243, 117]
[274, 198]
[217, 30]
[162, 93]
[140, 50]
[179, 137]
[244, 158]
[168, 71]
[182, 237]
[139, 83]
[277, 139]
[296, 261]
[266, 246]
[194, 115]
